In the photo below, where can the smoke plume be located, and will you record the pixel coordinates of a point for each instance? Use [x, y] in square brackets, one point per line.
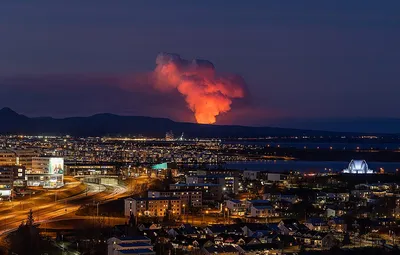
[206, 93]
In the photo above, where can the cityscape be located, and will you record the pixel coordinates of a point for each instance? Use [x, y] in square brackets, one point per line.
[166, 127]
[149, 195]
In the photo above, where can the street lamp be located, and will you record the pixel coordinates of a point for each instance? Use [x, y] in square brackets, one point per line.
[184, 212]
[227, 214]
[203, 215]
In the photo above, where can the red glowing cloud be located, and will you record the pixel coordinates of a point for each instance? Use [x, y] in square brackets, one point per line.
[206, 94]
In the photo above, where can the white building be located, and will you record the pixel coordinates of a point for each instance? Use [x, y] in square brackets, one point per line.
[47, 172]
[236, 207]
[47, 165]
[261, 211]
[260, 208]
[358, 167]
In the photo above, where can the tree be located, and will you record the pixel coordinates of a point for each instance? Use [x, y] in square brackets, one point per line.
[30, 220]
[302, 249]
[167, 216]
[346, 239]
[26, 240]
[132, 226]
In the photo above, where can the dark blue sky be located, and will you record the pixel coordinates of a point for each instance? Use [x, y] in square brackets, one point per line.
[300, 59]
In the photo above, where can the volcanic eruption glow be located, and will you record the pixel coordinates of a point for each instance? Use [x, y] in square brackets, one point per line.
[207, 94]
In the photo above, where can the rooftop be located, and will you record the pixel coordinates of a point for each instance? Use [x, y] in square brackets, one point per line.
[155, 198]
[137, 251]
[134, 244]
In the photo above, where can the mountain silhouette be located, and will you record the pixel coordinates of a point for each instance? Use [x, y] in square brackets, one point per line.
[111, 124]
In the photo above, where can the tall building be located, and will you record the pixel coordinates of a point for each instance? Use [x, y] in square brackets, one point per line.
[10, 178]
[24, 157]
[47, 165]
[169, 136]
[7, 158]
[47, 172]
[17, 157]
[6, 181]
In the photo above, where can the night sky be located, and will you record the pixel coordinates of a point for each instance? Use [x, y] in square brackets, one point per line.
[300, 59]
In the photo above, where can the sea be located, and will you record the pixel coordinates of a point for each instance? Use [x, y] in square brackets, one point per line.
[306, 166]
[322, 145]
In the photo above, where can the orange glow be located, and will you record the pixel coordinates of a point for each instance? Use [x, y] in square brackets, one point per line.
[206, 94]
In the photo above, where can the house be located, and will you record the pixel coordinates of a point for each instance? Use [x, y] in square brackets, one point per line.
[285, 240]
[191, 231]
[248, 241]
[317, 224]
[172, 232]
[236, 207]
[261, 211]
[148, 226]
[260, 208]
[261, 248]
[256, 230]
[130, 245]
[334, 211]
[290, 226]
[337, 224]
[232, 239]
[315, 239]
[216, 229]
[330, 212]
[250, 203]
[221, 250]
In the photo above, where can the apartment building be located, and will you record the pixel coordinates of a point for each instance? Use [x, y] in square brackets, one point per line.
[188, 197]
[152, 206]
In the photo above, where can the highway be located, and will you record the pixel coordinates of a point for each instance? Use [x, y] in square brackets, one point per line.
[44, 210]
[53, 205]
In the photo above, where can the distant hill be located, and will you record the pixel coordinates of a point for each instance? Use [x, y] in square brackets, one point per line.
[110, 124]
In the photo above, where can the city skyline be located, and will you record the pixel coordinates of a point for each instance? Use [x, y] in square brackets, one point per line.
[312, 61]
